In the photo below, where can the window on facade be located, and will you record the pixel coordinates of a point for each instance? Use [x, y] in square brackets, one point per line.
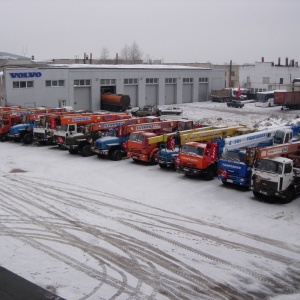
[16, 84]
[203, 80]
[266, 80]
[50, 83]
[108, 81]
[151, 80]
[188, 80]
[22, 84]
[232, 73]
[82, 82]
[130, 81]
[170, 80]
[281, 80]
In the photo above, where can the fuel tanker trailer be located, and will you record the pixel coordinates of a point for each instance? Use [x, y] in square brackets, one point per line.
[115, 102]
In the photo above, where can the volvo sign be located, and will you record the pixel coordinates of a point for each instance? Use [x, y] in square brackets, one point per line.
[25, 74]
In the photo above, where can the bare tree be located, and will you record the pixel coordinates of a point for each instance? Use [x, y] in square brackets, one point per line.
[125, 53]
[135, 52]
[104, 54]
[132, 52]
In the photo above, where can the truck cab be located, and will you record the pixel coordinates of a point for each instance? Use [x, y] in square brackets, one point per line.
[198, 159]
[138, 150]
[275, 177]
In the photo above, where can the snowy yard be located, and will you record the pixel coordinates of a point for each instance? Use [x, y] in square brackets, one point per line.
[90, 228]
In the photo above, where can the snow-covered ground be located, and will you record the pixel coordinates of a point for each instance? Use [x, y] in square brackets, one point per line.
[89, 228]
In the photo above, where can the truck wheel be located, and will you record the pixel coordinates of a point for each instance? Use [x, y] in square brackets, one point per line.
[289, 196]
[163, 166]
[116, 155]
[152, 160]
[28, 138]
[257, 195]
[86, 151]
[73, 151]
[210, 173]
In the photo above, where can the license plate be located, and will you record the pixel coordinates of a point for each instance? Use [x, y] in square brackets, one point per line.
[134, 157]
[230, 180]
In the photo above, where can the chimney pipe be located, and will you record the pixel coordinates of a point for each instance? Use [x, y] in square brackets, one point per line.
[117, 58]
[262, 59]
[84, 59]
[286, 61]
[278, 61]
[293, 63]
[91, 60]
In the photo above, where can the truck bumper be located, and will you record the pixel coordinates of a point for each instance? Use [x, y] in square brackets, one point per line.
[99, 151]
[138, 156]
[189, 171]
[165, 163]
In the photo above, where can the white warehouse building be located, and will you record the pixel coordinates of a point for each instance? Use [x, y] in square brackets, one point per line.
[81, 86]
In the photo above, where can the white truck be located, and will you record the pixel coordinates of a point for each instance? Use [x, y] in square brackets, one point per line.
[275, 173]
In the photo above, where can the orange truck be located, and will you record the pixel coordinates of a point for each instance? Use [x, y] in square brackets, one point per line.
[67, 125]
[139, 147]
[199, 153]
[82, 142]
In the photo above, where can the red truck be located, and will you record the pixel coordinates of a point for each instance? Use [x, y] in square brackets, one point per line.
[290, 100]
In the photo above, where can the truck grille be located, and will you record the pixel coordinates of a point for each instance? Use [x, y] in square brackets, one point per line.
[266, 185]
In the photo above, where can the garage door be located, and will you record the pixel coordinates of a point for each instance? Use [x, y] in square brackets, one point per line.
[187, 93]
[202, 94]
[132, 92]
[151, 94]
[170, 94]
[82, 97]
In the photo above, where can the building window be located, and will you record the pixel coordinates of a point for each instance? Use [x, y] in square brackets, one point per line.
[82, 82]
[108, 81]
[171, 80]
[62, 103]
[50, 83]
[266, 80]
[281, 81]
[130, 81]
[151, 80]
[22, 84]
[203, 80]
[188, 80]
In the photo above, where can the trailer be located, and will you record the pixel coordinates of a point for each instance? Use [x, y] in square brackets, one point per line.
[115, 102]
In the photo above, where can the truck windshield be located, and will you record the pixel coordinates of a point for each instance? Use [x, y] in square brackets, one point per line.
[188, 149]
[235, 156]
[135, 137]
[269, 166]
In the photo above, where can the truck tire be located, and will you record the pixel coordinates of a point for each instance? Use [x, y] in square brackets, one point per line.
[289, 196]
[116, 155]
[86, 151]
[153, 160]
[28, 139]
[258, 195]
[163, 166]
[73, 151]
[209, 175]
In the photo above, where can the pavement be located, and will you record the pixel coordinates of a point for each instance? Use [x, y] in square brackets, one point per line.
[14, 287]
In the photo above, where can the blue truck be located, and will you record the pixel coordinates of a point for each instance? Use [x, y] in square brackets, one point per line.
[235, 165]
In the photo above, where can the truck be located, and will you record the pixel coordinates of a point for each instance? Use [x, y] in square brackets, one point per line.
[287, 100]
[223, 95]
[276, 172]
[200, 151]
[235, 166]
[24, 130]
[71, 124]
[82, 142]
[7, 120]
[267, 99]
[144, 147]
[115, 102]
[115, 147]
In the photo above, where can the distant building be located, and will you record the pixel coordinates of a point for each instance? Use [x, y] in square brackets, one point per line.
[81, 85]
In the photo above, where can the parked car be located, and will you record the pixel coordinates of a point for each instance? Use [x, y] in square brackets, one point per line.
[235, 103]
[171, 110]
[147, 110]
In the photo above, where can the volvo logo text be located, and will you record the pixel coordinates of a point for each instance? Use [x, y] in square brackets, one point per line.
[26, 75]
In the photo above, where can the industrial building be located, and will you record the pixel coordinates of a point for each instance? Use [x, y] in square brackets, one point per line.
[81, 85]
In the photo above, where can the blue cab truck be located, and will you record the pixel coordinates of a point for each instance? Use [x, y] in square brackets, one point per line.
[235, 167]
[22, 132]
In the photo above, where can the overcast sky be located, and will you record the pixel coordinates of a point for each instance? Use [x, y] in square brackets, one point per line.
[215, 31]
